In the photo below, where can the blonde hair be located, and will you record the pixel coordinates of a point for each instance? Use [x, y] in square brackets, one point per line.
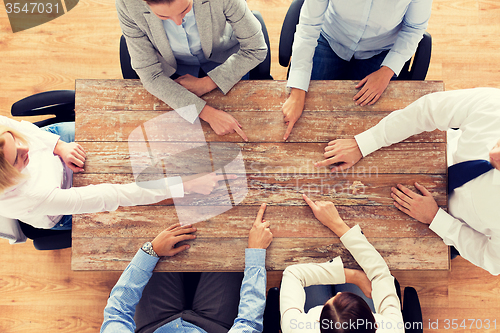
[9, 176]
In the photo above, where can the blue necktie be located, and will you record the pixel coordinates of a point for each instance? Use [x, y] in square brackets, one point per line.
[461, 173]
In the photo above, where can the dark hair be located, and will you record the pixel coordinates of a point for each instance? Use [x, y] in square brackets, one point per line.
[348, 313]
[158, 2]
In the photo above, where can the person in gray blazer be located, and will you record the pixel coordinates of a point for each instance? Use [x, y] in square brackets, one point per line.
[183, 49]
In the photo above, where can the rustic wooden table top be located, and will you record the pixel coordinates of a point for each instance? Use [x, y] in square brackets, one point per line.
[277, 173]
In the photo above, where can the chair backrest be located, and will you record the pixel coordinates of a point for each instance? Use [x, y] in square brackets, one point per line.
[261, 72]
[419, 63]
[10, 229]
[60, 103]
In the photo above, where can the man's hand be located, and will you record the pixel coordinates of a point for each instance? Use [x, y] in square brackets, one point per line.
[203, 184]
[495, 156]
[221, 122]
[292, 109]
[260, 235]
[72, 154]
[343, 152]
[327, 214]
[164, 243]
[360, 279]
[198, 86]
[373, 86]
[421, 207]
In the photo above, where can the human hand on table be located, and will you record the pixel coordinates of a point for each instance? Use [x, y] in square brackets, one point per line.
[164, 243]
[198, 86]
[421, 207]
[343, 151]
[221, 122]
[203, 184]
[260, 235]
[373, 86]
[360, 279]
[72, 154]
[327, 214]
[292, 109]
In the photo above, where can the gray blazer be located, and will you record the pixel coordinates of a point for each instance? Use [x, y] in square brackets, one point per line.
[229, 34]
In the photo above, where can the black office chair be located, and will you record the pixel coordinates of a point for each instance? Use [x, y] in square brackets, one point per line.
[261, 72]
[61, 104]
[412, 312]
[421, 58]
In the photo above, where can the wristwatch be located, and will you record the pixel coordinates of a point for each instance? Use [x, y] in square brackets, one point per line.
[148, 248]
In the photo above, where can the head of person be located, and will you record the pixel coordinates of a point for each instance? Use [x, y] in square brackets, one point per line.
[346, 313]
[174, 10]
[495, 156]
[13, 157]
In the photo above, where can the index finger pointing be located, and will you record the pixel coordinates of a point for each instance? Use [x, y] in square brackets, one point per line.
[309, 202]
[241, 133]
[260, 214]
[288, 130]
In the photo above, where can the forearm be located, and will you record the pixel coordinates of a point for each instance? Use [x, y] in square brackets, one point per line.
[253, 293]
[120, 310]
[252, 46]
[478, 248]
[105, 197]
[305, 42]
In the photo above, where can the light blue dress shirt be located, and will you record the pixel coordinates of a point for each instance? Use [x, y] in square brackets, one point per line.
[120, 310]
[185, 43]
[359, 29]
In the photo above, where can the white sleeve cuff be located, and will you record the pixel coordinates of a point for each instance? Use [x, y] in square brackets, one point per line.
[394, 61]
[175, 186]
[366, 142]
[299, 79]
[442, 223]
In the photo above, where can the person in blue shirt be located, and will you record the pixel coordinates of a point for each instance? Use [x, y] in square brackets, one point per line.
[364, 40]
[143, 301]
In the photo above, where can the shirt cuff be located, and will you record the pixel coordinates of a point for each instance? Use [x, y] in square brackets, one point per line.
[255, 257]
[366, 142]
[441, 223]
[496, 177]
[144, 261]
[352, 236]
[191, 112]
[175, 186]
[299, 79]
[394, 61]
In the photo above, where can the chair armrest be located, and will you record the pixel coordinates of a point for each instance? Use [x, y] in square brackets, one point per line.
[288, 32]
[57, 102]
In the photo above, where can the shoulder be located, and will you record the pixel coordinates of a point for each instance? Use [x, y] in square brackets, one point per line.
[132, 6]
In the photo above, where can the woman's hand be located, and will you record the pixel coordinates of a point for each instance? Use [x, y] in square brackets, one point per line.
[292, 109]
[327, 214]
[373, 86]
[72, 154]
[198, 86]
[360, 279]
[221, 122]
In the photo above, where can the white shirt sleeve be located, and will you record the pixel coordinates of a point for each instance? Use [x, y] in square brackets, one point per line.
[296, 278]
[384, 294]
[442, 110]
[304, 44]
[478, 248]
[413, 27]
[104, 197]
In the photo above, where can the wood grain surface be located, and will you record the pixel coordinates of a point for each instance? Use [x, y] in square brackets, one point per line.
[40, 293]
[130, 135]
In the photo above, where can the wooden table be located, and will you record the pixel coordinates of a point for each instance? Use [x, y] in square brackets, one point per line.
[278, 172]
